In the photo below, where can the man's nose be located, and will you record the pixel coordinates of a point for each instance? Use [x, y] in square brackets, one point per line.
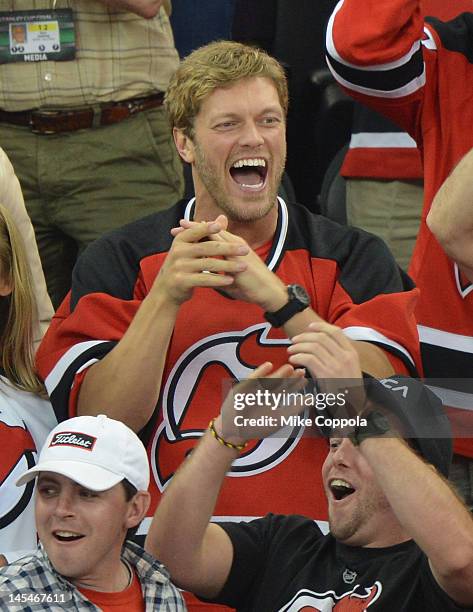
[251, 135]
[341, 455]
[64, 504]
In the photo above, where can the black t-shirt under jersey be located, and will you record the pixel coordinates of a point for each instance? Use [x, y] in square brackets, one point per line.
[285, 563]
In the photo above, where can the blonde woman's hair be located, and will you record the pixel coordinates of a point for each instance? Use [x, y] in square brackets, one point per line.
[219, 64]
[18, 310]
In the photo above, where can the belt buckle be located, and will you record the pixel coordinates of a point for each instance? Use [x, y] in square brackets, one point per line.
[44, 113]
[134, 106]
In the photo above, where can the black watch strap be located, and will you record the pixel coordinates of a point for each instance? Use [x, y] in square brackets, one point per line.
[298, 300]
[377, 425]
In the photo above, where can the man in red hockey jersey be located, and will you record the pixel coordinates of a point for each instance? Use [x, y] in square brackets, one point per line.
[386, 198]
[451, 219]
[155, 321]
[420, 74]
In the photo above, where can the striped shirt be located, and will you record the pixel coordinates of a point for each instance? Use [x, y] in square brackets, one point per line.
[33, 584]
[119, 55]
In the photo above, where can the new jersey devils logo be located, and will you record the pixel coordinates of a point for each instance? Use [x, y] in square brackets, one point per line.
[18, 455]
[192, 395]
[357, 600]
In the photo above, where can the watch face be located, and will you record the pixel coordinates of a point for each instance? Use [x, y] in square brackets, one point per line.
[300, 294]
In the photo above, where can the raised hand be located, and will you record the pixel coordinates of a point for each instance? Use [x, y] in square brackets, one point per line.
[253, 407]
[325, 351]
[332, 361]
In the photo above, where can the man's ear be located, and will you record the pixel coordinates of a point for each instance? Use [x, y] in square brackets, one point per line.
[137, 508]
[184, 145]
[6, 287]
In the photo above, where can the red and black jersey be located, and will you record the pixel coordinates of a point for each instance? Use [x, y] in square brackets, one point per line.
[375, 138]
[352, 281]
[420, 75]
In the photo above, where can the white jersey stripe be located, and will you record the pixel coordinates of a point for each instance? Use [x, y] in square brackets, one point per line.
[69, 356]
[382, 140]
[281, 239]
[448, 340]
[188, 209]
[452, 398]
[371, 335]
[429, 42]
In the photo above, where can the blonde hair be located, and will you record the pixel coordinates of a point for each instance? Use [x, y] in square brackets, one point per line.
[219, 64]
[17, 310]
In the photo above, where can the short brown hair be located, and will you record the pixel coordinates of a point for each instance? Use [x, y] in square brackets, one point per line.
[219, 64]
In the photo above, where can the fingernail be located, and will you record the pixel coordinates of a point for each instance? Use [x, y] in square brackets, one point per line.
[242, 250]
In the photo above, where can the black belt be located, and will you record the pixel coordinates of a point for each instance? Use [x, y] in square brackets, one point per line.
[57, 121]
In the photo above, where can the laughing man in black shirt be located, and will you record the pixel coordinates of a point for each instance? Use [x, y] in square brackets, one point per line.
[400, 539]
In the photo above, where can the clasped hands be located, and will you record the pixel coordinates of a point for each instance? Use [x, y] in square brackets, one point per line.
[206, 254]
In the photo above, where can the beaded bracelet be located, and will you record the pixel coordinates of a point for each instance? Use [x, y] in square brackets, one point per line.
[213, 431]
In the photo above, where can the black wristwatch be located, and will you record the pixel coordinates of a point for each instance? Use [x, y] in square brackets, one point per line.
[376, 426]
[298, 301]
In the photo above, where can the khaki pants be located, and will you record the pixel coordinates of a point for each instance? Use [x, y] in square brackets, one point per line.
[81, 184]
[389, 209]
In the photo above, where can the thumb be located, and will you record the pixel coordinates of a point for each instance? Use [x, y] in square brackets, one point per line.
[222, 221]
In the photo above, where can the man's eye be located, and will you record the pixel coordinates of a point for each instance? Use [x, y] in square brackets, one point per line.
[271, 120]
[334, 443]
[47, 491]
[226, 125]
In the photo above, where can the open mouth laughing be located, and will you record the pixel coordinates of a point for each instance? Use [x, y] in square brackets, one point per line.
[250, 173]
[340, 489]
[66, 536]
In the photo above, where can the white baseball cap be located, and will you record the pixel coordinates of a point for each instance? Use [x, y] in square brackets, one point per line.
[94, 451]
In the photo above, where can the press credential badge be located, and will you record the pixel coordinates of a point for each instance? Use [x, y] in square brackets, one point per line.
[35, 36]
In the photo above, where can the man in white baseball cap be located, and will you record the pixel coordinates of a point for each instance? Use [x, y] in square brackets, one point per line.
[91, 490]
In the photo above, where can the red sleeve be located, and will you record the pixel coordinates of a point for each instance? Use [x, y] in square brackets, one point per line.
[361, 289]
[387, 321]
[375, 51]
[75, 340]
[375, 32]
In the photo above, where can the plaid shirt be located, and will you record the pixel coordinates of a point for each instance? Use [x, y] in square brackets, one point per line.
[119, 56]
[32, 584]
